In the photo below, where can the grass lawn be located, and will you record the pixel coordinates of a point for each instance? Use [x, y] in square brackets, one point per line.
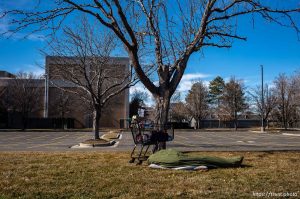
[109, 175]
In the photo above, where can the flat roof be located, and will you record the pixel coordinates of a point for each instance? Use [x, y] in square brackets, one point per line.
[5, 74]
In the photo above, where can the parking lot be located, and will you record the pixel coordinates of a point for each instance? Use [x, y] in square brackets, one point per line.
[184, 141]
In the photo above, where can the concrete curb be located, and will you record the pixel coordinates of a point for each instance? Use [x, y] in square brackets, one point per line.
[111, 144]
[82, 145]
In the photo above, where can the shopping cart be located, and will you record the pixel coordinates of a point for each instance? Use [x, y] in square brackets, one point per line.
[145, 137]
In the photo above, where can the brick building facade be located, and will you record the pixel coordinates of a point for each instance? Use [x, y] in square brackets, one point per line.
[55, 96]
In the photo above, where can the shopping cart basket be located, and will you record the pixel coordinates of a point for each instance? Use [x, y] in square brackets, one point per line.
[145, 137]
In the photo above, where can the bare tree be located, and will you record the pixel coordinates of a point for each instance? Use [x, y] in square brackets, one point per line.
[197, 102]
[178, 111]
[269, 103]
[297, 97]
[163, 33]
[82, 60]
[233, 101]
[62, 105]
[24, 96]
[285, 88]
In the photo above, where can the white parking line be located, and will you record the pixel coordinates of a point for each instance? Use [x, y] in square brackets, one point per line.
[291, 134]
[83, 137]
[38, 137]
[17, 137]
[41, 145]
[182, 137]
[60, 137]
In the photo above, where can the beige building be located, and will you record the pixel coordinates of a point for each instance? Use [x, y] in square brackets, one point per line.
[20, 97]
[116, 109]
[57, 102]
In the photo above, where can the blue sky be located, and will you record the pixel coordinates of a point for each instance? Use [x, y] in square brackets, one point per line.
[275, 47]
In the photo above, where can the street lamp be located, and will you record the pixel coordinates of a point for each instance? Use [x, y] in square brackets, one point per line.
[46, 95]
[262, 98]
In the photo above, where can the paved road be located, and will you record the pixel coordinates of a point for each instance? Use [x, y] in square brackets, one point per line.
[184, 141]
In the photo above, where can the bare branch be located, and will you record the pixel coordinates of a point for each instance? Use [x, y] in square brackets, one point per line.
[215, 45]
[211, 34]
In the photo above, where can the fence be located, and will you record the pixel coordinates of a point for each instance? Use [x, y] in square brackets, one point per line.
[40, 123]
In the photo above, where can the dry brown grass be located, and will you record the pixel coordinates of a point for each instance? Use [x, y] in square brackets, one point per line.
[109, 175]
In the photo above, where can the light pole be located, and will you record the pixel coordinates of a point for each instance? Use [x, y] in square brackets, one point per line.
[262, 98]
[46, 95]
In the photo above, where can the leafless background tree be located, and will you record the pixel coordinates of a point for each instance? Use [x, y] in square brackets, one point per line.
[83, 60]
[285, 91]
[24, 95]
[269, 103]
[165, 33]
[197, 102]
[297, 97]
[62, 105]
[178, 110]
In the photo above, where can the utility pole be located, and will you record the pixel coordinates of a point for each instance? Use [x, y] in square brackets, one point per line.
[46, 90]
[262, 98]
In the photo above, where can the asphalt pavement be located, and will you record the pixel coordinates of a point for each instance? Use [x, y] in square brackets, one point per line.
[184, 141]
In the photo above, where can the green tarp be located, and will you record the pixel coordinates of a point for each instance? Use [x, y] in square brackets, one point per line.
[171, 158]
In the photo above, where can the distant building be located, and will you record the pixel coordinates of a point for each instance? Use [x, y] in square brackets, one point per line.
[5, 74]
[9, 116]
[53, 86]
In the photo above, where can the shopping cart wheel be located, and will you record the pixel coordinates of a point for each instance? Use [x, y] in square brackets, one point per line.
[132, 160]
[140, 162]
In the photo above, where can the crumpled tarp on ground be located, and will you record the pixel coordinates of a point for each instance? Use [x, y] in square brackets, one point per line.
[193, 168]
[171, 158]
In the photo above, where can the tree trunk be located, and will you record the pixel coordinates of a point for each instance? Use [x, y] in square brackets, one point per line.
[97, 116]
[235, 124]
[235, 120]
[24, 122]
[161, 117]
[162, 111]
[264, 126]
[285, 122]
[63, 120]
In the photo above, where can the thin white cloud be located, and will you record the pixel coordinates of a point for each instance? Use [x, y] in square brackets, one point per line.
[141, 88]
[30, 68]
[3, 23]
[183, 87]
[188, 80]
[194, 76]
[20, 36]
[7, 33]
[271, 85]
[227, 79]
